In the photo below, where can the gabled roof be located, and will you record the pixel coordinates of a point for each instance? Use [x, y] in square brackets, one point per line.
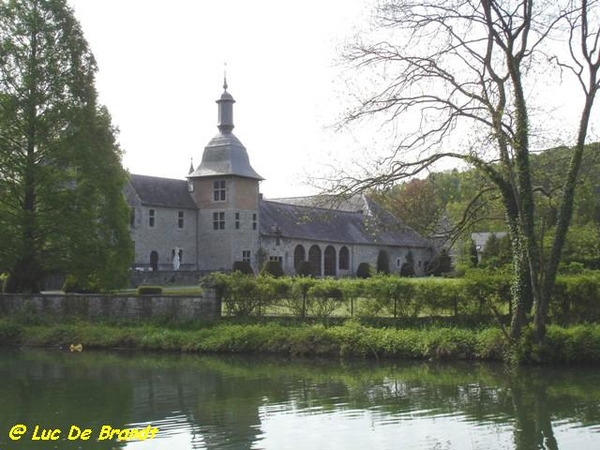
[167, 192]
[334, 225]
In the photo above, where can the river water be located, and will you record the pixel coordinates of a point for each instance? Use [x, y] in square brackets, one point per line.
[52, 399]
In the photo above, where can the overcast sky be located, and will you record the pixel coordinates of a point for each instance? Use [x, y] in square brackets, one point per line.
[161, 70]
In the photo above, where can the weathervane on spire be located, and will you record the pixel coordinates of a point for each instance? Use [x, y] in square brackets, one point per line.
[225, 75]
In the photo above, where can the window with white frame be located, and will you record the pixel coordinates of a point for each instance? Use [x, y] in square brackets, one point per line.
[219, 220]
[219, 191]
[246, 255]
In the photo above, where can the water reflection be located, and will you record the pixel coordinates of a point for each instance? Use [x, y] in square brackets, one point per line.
[206, 402]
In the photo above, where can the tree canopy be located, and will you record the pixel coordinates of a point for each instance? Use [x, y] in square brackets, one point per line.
[472, 68]
[61, 179]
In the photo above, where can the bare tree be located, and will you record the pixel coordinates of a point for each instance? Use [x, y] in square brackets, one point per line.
[466, 66]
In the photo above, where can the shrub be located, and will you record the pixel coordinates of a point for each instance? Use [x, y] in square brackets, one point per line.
[4, 282]
[149, 290]
[392, 295]
[575, 299]
[10, 332]
[272, 268]
[74, 284]
[299, 302]
[239, 292]
[364, 270]
[383, 262]
[327, 297]
[243, 267]
[408, 268]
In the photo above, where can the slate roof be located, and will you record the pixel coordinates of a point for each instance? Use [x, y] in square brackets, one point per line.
[225, 155]
[334, 225]
[167, 192]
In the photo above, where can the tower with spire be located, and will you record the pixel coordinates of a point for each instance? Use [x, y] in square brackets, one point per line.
[225, 188]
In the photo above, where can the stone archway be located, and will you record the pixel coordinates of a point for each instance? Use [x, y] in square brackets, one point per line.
[330, 262]
[314, 257]
[299, 255]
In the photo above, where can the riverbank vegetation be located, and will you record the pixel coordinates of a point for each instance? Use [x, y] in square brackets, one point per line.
[347, 339]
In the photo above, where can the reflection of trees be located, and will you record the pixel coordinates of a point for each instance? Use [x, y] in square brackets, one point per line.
[54, 390]
[533, 408]
[218, 399]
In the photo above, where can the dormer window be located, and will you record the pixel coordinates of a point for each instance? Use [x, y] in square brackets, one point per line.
[219, 191]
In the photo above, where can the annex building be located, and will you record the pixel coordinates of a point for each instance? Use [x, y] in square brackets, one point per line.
[218, 216]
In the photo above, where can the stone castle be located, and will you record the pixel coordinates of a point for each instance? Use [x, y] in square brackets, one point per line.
[218, 216]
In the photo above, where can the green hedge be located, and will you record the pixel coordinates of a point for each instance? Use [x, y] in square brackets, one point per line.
[476, 296]
[149, 290]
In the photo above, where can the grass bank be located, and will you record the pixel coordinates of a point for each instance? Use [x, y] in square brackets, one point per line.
[580, 344]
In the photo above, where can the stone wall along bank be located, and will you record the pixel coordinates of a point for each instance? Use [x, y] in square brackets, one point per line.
[96, 307]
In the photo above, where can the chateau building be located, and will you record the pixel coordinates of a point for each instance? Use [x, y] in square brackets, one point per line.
[218, 216]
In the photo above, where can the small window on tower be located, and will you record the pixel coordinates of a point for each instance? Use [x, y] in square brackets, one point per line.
[151, 218]
[237, 220]
[246, 255]
[219, 191]
[254, 221]
[180, 219]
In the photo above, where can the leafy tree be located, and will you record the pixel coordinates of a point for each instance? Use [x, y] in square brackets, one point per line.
[383, 262]
[473, 254]
[61, 179]
[441, 264]
[470, 66]
[415, 203]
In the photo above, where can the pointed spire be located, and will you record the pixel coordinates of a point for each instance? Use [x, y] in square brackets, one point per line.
[191, 166]
[225, 76]
[225, 103]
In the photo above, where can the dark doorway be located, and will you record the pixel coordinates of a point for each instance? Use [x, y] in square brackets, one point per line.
[154, 260]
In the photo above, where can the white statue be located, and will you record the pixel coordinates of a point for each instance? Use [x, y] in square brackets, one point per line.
[176, 259]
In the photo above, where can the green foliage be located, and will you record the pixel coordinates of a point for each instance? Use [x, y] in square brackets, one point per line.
[441, 264]
[73, 285]
[390, 295]
[242, 267]
[10, 332]
[576, 299]
[149, 290]
[364, 270]
[61, 191]
[299, 301]
[480, 296]
[497, 252]
[408, 267]
[327, 297]
[3, 278]
[272, 268]
[383, 262]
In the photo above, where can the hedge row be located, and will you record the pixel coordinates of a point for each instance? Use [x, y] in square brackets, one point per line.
[476, 295]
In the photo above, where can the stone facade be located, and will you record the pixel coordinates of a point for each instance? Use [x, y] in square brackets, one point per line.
[225, 220]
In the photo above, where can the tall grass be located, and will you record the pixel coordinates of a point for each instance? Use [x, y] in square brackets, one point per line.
[350, 339]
